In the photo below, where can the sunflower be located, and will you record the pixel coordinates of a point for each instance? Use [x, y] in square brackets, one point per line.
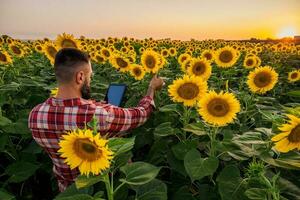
[38, 48]
[50, 51]
[54, 92]
[200, 67]
[219, 109]
[98, 58]
[67, 41]
[226, 57]
[97, 47]
[172, 51]
[16, 50]
[294, 76]
[120, 62]
[186, 64]
[289, 138]
[150, 61]
[105, 53]
[208, 55]
[187, 90]
[262, 79]
[5, 58]
[183, 57]
[137, 71]
[250, 62]
[124, 49]
[164, 53]
[84, 150]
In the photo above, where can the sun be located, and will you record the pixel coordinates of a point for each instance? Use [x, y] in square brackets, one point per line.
[287, 32]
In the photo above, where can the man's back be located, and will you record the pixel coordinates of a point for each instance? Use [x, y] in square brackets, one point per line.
[49, 120]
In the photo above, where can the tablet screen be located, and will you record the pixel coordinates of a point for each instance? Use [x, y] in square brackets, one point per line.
[115, 94]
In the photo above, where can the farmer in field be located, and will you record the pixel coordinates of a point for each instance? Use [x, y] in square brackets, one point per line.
[72, 108]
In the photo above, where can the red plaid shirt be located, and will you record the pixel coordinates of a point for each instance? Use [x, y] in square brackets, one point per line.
[49, 120]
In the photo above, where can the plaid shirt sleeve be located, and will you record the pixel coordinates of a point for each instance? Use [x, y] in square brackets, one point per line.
[122, 119]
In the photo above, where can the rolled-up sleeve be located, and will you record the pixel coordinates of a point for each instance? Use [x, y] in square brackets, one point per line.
[122, 119]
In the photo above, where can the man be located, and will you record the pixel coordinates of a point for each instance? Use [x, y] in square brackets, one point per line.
[72, 108]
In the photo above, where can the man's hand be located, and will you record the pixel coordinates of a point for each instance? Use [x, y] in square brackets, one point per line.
[156, 82]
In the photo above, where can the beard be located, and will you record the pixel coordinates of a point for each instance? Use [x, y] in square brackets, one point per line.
[85, 91]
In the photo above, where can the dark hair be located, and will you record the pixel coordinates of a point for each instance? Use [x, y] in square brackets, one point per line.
[67, 60]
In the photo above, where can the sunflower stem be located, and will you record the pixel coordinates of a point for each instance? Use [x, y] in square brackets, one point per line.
[212, 137]
[109, 189]
[186, 118]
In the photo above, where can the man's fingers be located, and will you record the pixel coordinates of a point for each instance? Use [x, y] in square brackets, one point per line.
[155, 75]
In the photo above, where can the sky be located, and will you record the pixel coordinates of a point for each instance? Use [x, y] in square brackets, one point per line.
[175, 19]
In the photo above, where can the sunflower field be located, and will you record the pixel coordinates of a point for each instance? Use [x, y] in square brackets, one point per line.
[226, 124]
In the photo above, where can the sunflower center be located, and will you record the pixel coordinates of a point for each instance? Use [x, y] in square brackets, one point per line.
[39, 48]
[187, 65]
[137, 71]
[3, 57]
[86, 150]
[106, 53]
[188, 91]
[183, 58]
[226, 56]
[294, 136]
[262, 79]
[150, 61]
[199, 68]
[52, 51]
[294, 75]
[218, 107]
[121, 63]
[16, 50]
[208, 56]
[99, 59]
[249, 62]
[68, 43]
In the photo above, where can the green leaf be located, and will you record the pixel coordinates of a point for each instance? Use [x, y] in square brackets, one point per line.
[195, 128]
[154, 190]
[33, 148]
[121, 145]
[73, 191]
[3, 141]
[4, 121]
[290, 160]
[164, 129]
[6, 196]
[198, 167]
[256, 194]
[20, 171]
[175, 164]
[139, 173]
[169, 108]
[230, 184]
[250, 137]
[183, 147]
[84, 181]
[183, 193]
[76, 197]
[294, 93]
[121, 159]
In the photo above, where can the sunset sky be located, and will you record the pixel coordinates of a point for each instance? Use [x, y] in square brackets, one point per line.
[176, 19]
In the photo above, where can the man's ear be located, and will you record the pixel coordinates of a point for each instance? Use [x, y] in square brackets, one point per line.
[79, 77]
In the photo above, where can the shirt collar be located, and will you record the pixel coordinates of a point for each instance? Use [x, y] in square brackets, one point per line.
[53, 101]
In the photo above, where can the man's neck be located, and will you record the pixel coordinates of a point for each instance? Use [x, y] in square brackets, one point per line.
[67, 92]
